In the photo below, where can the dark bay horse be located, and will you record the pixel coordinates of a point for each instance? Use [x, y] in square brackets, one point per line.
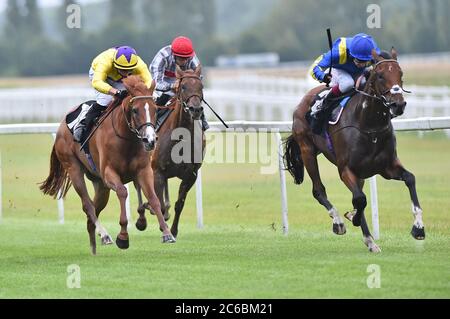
[120, 150]
[182, 129]
[363, 142]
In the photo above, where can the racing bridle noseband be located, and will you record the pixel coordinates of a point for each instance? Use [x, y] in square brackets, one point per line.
[137, 131]
[396, 89]
[184, 103]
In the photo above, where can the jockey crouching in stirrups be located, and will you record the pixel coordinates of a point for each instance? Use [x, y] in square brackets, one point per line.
[106, 74]
[163, 69]
[350, 57]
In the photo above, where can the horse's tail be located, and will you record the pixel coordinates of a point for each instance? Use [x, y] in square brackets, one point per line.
[293, 160]
[58, 178]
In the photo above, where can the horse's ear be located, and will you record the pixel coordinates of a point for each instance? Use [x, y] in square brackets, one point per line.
[178, 71]
[394, 53]
[198, 70]
[376, 56]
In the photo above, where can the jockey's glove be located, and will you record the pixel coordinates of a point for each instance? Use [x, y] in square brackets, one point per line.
[121, 94]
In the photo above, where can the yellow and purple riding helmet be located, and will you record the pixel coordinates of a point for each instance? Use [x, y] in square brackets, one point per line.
[125, 58]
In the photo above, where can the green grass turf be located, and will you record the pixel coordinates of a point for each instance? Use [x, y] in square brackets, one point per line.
[241, 252]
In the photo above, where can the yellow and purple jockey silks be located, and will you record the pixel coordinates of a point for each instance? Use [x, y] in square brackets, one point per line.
[105, 67]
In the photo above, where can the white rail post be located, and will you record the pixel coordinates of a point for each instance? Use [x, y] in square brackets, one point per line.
[127, 204]
[374, 204]
[60, 200]
[284, 207]
[1, 187]
[199, 199]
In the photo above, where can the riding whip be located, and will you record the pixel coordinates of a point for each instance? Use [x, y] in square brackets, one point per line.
[330, 44]
[117, 102]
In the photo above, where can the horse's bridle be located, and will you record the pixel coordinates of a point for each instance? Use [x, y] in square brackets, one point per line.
[137, 131]
[396, 89]
[183, 103]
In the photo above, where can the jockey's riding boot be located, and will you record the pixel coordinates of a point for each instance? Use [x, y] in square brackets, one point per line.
[161, 101]
[205, 124]
[319, 110]
[86, 124]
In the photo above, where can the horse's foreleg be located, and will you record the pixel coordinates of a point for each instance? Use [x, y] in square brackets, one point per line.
[141, 223]
[162, 191]
[113, 181]
[359, 198]
[355, 185]
[185, 186]
[146, 181]
[100, 200]
[318, 191]
[398, 172]
[76, 176]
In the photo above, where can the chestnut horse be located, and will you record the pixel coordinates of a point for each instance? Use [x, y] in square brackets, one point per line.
[363, 143]
[120, 151]
[184, 122]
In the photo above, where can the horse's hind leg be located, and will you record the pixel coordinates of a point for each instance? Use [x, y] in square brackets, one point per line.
[185, 186]
[359, 203]
[398, 172]
[141, 223]
[319, 192]
[100, 200]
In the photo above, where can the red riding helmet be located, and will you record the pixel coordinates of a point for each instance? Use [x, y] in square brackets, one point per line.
[182, 47]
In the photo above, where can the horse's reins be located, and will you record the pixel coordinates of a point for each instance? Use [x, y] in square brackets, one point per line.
[184, 102]
[102, 119]
[378, 96]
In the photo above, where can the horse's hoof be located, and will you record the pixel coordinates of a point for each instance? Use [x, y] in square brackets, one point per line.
[166, 216]
[339, 229]
[141, 225]
[349, 215]
[168, 239]
[122, 243]
[107, 240]
[374, 248]
[418, 233]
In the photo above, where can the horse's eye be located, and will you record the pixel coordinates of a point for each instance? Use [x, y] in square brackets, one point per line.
[134, 110]
[183, 87]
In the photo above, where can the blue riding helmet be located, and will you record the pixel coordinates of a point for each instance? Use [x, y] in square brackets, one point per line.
[362, 46]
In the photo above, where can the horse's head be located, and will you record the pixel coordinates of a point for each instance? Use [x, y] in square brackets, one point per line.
[140, 111]
[386, 79]
[190, 91]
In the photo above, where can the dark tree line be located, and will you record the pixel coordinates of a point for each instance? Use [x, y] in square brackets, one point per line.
[293, 28]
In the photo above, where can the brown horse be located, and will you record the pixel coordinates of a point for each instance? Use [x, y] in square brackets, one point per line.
[120, 151]
[363, 142]
[168, 160]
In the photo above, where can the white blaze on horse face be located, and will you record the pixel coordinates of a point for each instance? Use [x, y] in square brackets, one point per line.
[396, 89]
[149, 131]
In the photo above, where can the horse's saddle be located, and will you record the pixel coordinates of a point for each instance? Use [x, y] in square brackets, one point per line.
[75, 116]
[334, 110]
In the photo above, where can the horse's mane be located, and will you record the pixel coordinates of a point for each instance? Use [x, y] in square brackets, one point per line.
[135, 85]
